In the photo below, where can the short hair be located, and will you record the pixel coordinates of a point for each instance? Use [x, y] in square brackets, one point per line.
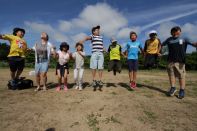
[94, 28]
[15, 30]
[64, 45]
[132, 32]
[175, 29]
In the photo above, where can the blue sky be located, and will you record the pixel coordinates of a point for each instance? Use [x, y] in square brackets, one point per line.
[71, 20]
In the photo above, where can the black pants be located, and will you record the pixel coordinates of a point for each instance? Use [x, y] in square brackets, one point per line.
[115, 65]
[16, 63]
[150, 60]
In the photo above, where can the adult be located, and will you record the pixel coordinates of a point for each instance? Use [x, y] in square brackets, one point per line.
[16, 56]
[43, 51]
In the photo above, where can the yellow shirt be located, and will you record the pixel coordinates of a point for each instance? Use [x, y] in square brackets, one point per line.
[115, 52]
[152, 46]
[16, 46]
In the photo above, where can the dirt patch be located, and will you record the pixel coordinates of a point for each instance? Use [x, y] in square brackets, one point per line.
[116, 108]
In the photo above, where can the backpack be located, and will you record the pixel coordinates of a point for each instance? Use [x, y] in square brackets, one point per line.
[20, 84]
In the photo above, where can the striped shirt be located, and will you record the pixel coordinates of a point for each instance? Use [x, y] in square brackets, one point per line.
[97, 43]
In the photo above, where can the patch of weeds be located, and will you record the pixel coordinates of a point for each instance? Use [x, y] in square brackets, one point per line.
[113, 93]
[93, 122]
[112, 119]
[74, 124]
[151, 115]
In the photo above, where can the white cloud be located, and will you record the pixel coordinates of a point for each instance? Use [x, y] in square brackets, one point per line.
[114, 23]
[42, 27]
[65, 26]
[189, 30]
[124, 32]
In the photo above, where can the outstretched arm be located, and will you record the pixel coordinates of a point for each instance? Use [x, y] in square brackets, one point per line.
[85, 39]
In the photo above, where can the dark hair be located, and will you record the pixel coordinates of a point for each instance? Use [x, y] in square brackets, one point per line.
[175, 29]
[15, 30]
[94, 28]
[79, 44]
[64, 45]
[47, 36]
[132, 32]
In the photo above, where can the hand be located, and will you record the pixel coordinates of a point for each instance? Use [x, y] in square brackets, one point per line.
[159, 54]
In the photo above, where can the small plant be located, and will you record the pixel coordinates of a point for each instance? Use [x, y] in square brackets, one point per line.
[93, 122]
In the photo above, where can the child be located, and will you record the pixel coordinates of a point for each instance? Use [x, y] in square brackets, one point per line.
[151, 50]
[79, 65]
[177, 46]
[132, 49]
[97, 57]
[62, 65]
[16, 57]
[115, 55]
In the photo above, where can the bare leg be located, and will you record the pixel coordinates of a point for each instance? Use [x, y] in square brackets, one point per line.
[172, 80]
[44, 80]
[65, 77]
[12, 74]
[134, 76]
[93, 73]
[131, 76]
[100, 74]
[182, 83]
[59, 78]
[18, 73]
[38, 81]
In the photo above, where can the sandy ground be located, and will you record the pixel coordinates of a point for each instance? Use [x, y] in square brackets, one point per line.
[116, 108]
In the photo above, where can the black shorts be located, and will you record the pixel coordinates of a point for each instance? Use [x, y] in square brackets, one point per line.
[62, 69]
[132, 65]
[150, 60]
[114, 65]
[16, 63]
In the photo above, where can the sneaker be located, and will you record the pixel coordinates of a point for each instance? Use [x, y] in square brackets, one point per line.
[134, 85]
[65, 88]
[181, 94]
[172, 91]
[100, 83]
[58, 88]
[94, 83]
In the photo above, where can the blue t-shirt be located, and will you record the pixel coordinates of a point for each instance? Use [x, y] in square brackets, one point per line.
[133, 48]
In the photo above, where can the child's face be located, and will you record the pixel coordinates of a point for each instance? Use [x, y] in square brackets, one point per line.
[133, 37]
[153, 36]
[79, 48]
[64, 49]
[177, 33]
[96, 32]
[20, 34]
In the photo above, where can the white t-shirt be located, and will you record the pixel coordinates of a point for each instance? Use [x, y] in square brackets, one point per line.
[63, 57]
[79, 60]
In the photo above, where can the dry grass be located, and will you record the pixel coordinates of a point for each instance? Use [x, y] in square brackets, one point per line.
[117, 108]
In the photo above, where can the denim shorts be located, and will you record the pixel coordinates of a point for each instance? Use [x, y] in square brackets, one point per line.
[97, 60]
[41, 67]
